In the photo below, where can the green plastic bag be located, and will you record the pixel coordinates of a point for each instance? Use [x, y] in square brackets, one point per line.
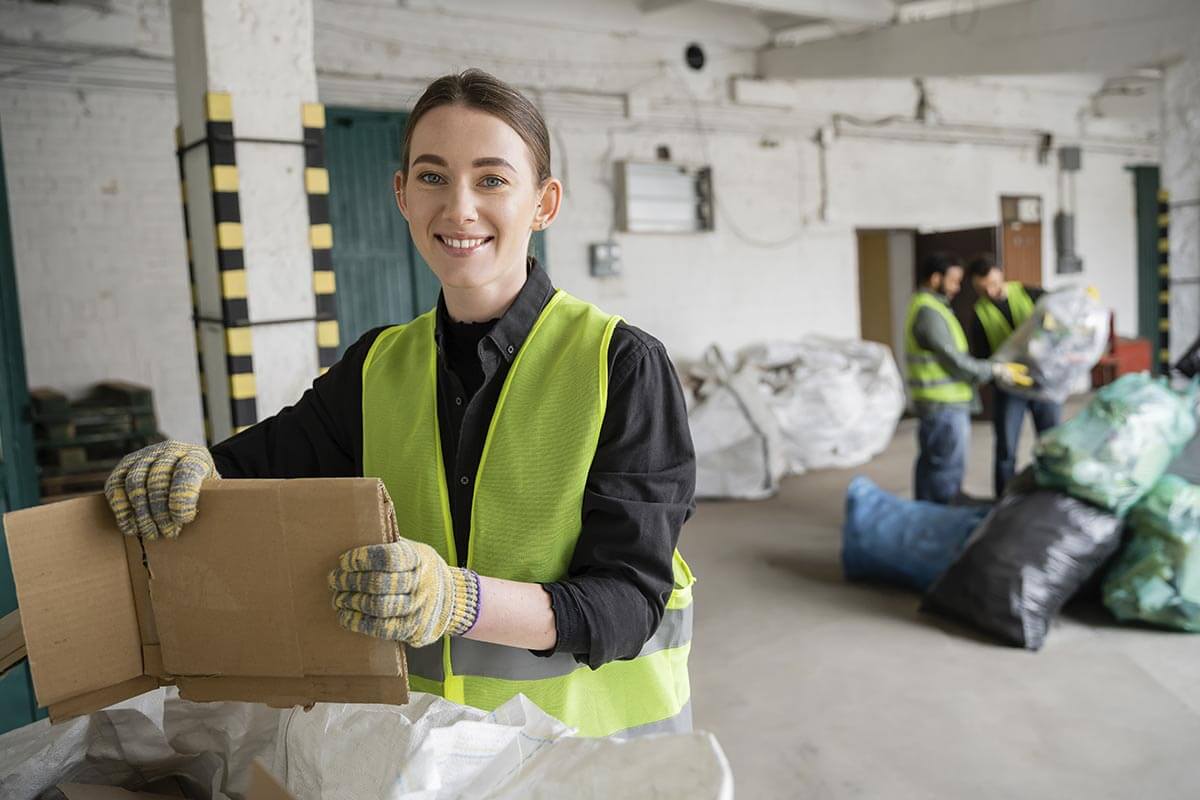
[1118, 447]
[1156, 578]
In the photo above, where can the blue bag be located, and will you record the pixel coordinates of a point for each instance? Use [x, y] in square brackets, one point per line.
[905, 542]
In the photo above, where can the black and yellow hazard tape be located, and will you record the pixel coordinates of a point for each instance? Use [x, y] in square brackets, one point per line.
[195, 294]
[320, 234]
[1164, 282]
[231, 261]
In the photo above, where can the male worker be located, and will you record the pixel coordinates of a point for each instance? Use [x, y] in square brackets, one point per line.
[941, 379]
[1001, 308]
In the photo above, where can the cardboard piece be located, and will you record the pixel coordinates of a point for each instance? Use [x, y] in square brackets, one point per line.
[12, 640]
[236, 608]
[264, 785]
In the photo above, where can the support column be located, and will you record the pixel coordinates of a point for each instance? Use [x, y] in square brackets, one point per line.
[247, 89]
[1181, 182]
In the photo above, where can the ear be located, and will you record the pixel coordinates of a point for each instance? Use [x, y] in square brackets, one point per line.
[549, 204]
[401, 200]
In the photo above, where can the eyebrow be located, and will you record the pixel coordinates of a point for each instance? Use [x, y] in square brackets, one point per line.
[429, 158]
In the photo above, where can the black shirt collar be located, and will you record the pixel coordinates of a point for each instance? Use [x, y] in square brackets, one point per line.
[510, 331]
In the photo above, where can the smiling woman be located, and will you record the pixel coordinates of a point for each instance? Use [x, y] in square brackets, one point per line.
[536, 449]
[475, 185]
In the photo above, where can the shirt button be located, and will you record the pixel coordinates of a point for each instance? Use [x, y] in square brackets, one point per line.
[464, 480]
[510, 349]
[458, 401]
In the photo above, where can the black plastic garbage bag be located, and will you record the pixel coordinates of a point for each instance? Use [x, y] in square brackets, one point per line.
[1033, 552]
[1156, 579]
[905, 542]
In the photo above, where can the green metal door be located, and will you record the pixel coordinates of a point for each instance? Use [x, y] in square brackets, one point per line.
[381, 278]
[1145, 185]
[18, 486]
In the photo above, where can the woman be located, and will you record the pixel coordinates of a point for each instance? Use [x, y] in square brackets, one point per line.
[536, 449]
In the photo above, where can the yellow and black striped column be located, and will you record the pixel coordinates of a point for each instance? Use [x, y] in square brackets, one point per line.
[1164, 282]
[187, 233]
[231, 261]
[320, 234]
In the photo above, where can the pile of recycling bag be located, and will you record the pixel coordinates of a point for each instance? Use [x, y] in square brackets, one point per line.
[1102, 501]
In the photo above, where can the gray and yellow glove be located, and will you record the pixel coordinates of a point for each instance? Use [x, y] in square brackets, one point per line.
[1010, 374]
[403, 591]
[154, 491]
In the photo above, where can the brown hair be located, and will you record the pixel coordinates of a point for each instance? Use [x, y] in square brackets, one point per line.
[477, 89]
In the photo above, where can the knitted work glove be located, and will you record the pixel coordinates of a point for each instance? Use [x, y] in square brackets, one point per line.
[154, 491]
[403, 591]
[1008, 374]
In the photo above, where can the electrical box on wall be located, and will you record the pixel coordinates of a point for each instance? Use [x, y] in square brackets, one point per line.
[663, 198]
[604, 259]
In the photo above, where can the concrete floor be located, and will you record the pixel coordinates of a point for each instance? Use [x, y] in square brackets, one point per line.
[821, 689]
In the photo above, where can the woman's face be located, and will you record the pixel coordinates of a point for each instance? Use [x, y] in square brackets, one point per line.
[471, 198]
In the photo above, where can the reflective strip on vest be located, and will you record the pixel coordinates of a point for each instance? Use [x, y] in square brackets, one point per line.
[928, 381]
[471, 657]
[680, 723]
[525, 515]
[995, 325]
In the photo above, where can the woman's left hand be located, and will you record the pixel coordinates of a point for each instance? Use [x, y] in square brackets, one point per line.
[404, 591]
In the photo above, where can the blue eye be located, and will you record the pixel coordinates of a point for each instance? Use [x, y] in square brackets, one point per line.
[493, 182]
[430, 178]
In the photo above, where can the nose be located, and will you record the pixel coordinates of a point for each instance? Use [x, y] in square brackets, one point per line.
[460, 206]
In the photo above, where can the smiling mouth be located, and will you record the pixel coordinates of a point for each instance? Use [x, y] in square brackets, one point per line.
[462, 247]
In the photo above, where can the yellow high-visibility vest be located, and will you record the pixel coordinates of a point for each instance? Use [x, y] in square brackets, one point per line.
[928, 381]
[525, 517]
[995, 325]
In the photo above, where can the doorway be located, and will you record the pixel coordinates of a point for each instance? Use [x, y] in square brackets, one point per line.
[885, 282]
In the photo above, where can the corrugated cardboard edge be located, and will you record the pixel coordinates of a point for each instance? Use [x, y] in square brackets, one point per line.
[264, 785]
[86, 703]
[12, 640]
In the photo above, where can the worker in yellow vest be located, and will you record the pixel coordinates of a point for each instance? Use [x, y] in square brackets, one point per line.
[941, 380]
[1001, 308]
[537, 450]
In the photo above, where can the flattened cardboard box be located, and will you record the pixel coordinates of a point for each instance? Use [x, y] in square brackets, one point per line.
[236, 608]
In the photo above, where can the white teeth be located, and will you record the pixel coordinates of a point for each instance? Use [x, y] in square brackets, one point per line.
[463, 244]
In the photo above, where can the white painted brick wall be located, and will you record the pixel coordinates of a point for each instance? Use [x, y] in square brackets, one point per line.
[98, 241]
[584, 63]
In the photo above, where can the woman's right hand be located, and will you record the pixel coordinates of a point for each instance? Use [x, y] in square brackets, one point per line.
[154, 491]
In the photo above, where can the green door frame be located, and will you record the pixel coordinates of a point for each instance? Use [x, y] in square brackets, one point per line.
[18, 471]
[1145, 187]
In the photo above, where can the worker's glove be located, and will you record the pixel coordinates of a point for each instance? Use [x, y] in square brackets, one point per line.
[154, 491]
[1011, 375]
[403, 591]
